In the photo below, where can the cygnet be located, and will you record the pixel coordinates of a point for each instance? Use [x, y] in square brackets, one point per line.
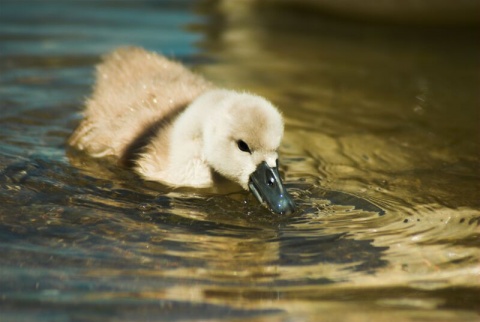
[172, 126]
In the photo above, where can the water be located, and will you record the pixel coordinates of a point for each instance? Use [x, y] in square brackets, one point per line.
[380, 152]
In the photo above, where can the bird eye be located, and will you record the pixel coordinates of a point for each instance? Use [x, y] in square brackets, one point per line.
[243, 146]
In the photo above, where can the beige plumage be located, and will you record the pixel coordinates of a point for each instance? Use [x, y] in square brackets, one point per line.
[172, 126]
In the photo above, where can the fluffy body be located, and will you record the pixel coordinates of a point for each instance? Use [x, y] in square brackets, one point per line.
[172, 126]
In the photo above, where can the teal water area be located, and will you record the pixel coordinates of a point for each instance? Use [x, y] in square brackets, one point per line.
[380, 153]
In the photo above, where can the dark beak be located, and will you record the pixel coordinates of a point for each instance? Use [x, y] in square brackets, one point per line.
[265, 184]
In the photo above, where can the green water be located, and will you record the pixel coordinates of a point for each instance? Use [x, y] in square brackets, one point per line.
[381, 153]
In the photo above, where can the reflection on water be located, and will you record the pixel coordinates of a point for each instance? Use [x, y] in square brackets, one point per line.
[381, 154]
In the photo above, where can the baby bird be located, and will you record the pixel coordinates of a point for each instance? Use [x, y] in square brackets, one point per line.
[172, 126]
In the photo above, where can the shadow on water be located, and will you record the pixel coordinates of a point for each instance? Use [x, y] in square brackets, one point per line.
[383, 167]
[44, 186]
[94, 233]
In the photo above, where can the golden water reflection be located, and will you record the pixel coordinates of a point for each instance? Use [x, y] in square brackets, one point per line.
[380, 154]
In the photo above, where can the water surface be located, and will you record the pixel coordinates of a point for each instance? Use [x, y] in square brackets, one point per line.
[380, 152]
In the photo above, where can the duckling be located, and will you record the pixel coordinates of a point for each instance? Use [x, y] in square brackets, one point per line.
[172, 126]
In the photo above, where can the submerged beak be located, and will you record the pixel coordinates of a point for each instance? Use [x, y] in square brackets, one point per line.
[265, 184]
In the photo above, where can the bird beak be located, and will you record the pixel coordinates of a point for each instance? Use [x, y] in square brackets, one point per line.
[266, 185]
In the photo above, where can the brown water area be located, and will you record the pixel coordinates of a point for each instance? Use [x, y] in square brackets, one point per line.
[381, 153]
